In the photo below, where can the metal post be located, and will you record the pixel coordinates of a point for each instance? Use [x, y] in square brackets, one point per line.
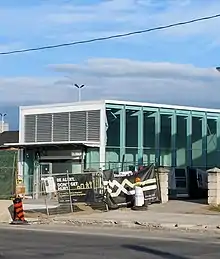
[189, 139]
[157, 136]
[140, 136]
[2, 121]
[173, 138]
[79, 95]
[69, 190]
[122, 134]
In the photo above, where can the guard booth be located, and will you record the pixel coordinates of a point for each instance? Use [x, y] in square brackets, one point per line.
[61, 138]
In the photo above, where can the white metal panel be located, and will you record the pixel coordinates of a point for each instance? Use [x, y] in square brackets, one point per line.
[166, 106]
[55, 108]
[85, 143]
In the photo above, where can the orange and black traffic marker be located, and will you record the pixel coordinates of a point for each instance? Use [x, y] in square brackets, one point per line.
[18, 217]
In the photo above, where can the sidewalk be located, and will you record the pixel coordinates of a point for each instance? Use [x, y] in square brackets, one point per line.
[169, 216]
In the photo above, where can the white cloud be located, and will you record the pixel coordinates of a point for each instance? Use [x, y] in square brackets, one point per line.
[118, 79]
[146, 81]
[135, 69]
[21, 90]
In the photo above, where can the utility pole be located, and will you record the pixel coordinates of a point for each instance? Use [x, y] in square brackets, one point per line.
[2, 121]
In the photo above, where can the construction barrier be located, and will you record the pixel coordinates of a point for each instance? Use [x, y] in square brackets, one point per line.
[18, 217]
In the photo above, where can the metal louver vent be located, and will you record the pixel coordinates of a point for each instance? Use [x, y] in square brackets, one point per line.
[44, 127]
[93, 125]
[78, 126]
[29, 128]
[61, 126]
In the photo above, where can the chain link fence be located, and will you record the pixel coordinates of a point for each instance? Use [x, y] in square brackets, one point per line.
[8, 169]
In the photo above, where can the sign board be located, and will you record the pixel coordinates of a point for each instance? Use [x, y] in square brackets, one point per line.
[121, 189]
[77, 187]
[49, 183]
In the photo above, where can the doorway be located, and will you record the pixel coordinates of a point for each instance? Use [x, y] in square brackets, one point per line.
[181, 183]
[45, 170]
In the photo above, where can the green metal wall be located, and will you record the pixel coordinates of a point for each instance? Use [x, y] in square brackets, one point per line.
[8, 168]
[166, 137]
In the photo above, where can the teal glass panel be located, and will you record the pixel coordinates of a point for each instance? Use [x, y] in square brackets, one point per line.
[165, 140]
[149, 130]
[131, 129]
[212, 154]
[112, 158]
[181, 141]
[113, 128]
[197, 154]
[93, 158]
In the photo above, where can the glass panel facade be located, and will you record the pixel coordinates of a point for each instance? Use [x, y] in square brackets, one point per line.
[131, 129]
[197, 157]
[212, 143]
[165, 140]
[149, 137]
[112, 158]
[92, 158]
[166, 137]
[181, 141]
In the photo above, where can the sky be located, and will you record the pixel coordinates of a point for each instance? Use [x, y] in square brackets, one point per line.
[173, 66]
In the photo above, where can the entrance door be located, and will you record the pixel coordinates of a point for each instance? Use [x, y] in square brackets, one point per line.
[45, 171]
[181, 182]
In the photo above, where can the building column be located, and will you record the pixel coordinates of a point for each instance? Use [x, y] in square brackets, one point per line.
[204, 139]
[157, 137]
[218, 140]
[189, 139]
[122, 132]
[163, 174]
[173, 138]
[214, 186]
[140, 136]
[103, 138]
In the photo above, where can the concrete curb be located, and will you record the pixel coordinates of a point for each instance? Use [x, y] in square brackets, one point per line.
[128, 224]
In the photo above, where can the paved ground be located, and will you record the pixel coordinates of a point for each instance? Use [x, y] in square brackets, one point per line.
[166, 219]
[63, 242]
[183, 206]
[173, 206]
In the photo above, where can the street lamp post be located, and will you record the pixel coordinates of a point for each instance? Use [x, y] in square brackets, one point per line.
[2, 121]
[79, 91]
[79, 87]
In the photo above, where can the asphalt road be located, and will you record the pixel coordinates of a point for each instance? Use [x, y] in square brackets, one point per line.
[79, 243]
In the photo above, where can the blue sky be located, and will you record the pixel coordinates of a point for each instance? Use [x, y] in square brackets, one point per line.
[171, 66]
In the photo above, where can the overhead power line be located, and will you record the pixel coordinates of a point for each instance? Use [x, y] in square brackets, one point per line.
[111, 36]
